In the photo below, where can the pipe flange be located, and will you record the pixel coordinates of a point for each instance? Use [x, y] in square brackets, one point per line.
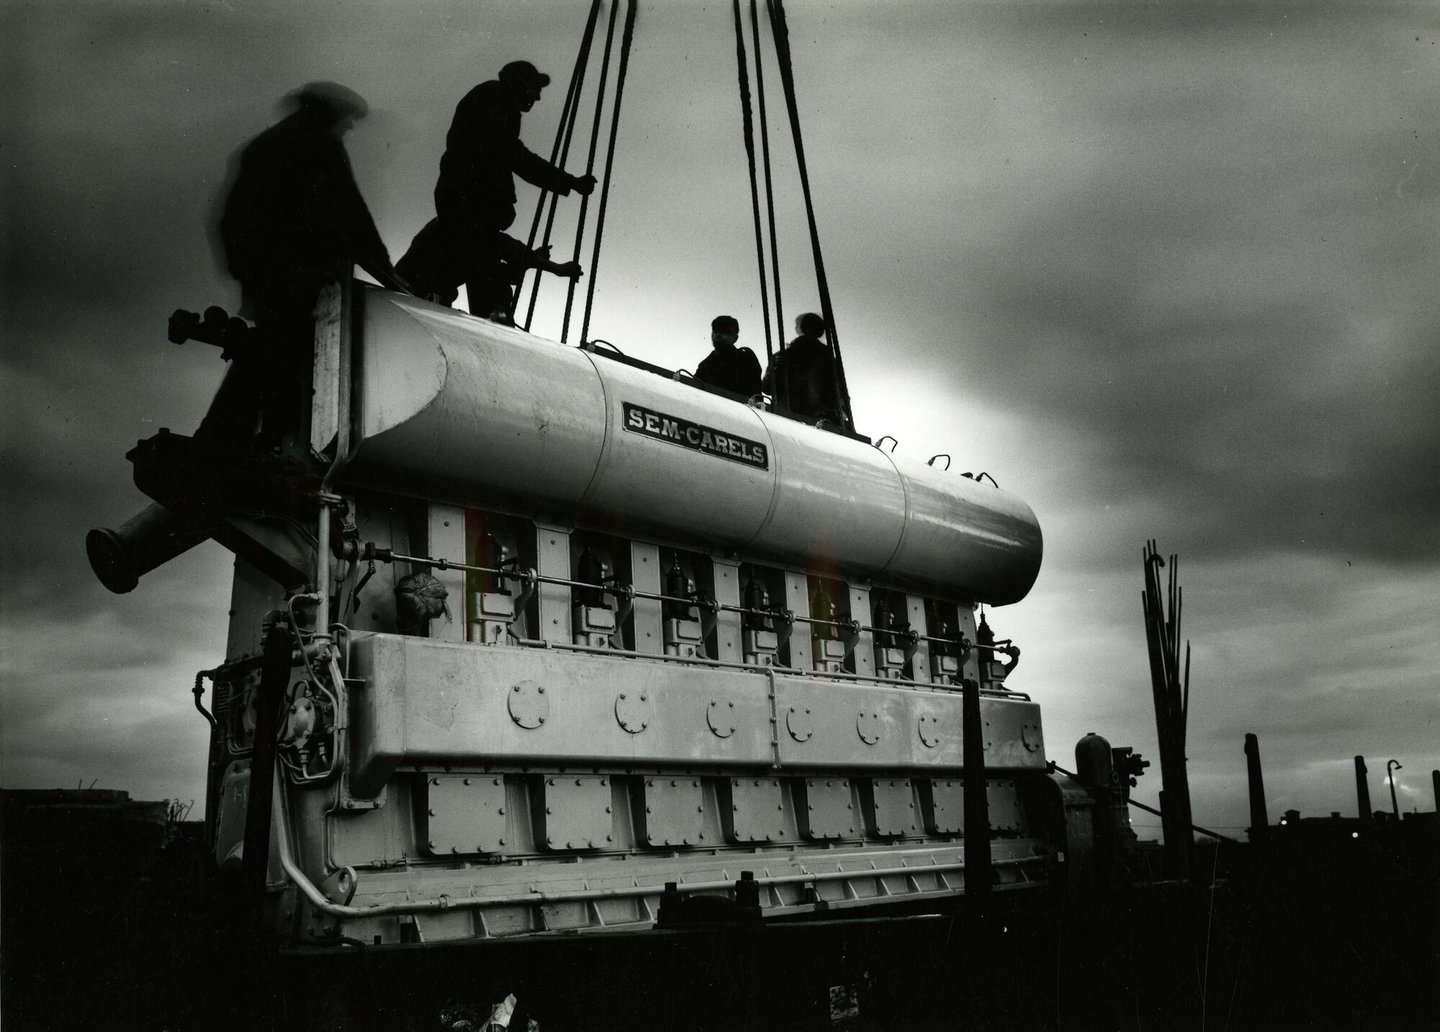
[720, 715]
[801, 723]
[529, 705]
[868, 726]
[634, 711]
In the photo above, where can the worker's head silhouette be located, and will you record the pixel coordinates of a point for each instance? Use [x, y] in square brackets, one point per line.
[810, 324]
[524, 81]
[330, 104]
[724, 330]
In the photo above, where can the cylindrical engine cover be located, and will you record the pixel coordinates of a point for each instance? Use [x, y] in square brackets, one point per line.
[466, 409]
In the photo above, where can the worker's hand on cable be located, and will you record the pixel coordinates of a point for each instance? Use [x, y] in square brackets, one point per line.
[583, 185]
[540, 257]
[568, 270]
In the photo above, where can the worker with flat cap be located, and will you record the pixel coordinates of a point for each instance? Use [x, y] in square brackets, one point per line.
[475, 196]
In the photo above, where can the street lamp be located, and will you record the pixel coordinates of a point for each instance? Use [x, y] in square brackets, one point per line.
[1390, 769]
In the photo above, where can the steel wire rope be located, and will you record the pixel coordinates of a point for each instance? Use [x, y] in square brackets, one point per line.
[629, 37]
[590, 164]
[787, 78]
[769, 182]
[748, 128]
[559, 154]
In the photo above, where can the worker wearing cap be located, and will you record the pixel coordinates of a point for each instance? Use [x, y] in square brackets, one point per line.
[475, 195]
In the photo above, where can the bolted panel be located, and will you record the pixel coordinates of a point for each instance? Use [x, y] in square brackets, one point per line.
[726, 573]
[757, 810]
[674, 812]
[552, 550]
[1002, 803]
[645, 612]
[445, 538]
[863, 647]
[797, 600]
[891, 807]
[943, 806]
[576, 813]
[464, 814]
[825, 808]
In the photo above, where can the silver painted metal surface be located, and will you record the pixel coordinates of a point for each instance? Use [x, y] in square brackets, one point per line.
[445, 399]
[435, 703]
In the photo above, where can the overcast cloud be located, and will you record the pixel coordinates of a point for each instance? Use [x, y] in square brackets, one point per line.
[1167, 271]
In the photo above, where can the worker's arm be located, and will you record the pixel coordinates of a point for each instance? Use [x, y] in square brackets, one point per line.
[536, 171]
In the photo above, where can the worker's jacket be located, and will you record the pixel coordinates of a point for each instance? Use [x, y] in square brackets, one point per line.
[801, 379]
[294, 213]
[483, 154]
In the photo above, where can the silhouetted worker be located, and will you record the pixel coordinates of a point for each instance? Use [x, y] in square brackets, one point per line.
[294, 219]
[475, 195]
[801, 378]
[727, 366]
[489, 264]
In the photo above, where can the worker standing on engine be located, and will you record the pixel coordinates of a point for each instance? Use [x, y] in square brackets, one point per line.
[294, 219]
[731, 368]
[475, 195]
[801, 378]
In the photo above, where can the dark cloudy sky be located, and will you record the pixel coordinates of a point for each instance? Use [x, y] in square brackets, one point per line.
[1165, 270]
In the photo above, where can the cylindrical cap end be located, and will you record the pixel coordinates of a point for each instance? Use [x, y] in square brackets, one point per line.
[112, 560]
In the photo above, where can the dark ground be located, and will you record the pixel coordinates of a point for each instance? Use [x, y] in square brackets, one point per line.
[108, 924]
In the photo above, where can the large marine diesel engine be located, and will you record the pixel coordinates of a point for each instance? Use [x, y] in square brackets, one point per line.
[528, 638]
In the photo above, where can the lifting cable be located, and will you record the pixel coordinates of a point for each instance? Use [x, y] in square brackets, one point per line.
[559, 154]
[590, 164]
[787, 78]
[769, 184]
[630, 10]
[749, 132]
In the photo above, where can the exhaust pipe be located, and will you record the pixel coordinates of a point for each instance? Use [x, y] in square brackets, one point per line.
[151, 538]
